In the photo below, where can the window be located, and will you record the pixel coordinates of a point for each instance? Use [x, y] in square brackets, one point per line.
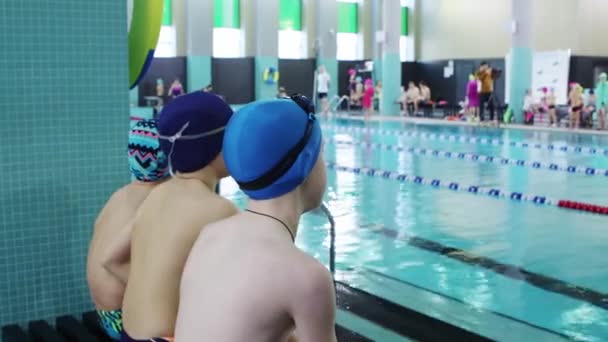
[292, 39]
[166, 45]
[348, 39]
[228, 38]
[406, 41]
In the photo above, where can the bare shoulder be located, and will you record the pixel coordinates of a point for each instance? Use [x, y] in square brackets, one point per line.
[313, 300]
[208, 209]
[115, 201]
[220, 207]
[312, 276]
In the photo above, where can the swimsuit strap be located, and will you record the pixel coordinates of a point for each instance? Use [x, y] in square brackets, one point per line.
[276, 219]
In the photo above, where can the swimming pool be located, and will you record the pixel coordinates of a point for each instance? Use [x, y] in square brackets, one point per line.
[504, 269]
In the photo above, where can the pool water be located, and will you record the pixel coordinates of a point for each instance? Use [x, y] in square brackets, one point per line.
[506, 270]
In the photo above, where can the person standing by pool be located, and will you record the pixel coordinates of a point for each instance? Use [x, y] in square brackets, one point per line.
[149, 167]
[529, 108]
[601, 91]
[176, 89]
[191, 133]
[576, 105]
[589, 110]
[473, 98]
[484, 74]
[283, 177]
[551, 109]
[367, 101]
[323, 84]
[378, 95]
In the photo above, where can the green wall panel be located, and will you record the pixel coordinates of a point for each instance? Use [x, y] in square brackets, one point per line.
[348, 17]
[290, 15]
[167, 13]
[405, 21]
[226, 14]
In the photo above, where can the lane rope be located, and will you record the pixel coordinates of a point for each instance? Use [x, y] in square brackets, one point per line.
[472, 140]
[473, 189]
[480, 158]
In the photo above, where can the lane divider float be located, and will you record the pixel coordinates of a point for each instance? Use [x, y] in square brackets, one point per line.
[481, 158]
[473, 189]
[473, 140]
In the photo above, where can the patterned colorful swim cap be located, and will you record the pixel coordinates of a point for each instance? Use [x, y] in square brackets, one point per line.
[147, 162]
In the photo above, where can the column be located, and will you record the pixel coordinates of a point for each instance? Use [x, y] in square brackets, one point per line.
[521, 56]
[391, 61]
[326, 47]
[367, 28]
[199, 43]
[261, 20]
[376, 13]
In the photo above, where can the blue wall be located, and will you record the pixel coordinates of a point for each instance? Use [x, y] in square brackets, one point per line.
[63, 122]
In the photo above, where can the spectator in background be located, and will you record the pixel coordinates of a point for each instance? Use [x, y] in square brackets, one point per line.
[425, 93]
[282, 93]
[357, 95]
[576, 105]
[589, 110]
[352, 81]
[323, 84]
[160, 88]
[529, 108]
[176, 89]
[367, 98]
[378, 95]
[412, 96]
[484, 74]
[601, 91]
[160, 94]
[473, 98]
[551, 109]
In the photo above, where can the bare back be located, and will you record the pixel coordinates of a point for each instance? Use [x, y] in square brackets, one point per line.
[168, 223]
[576, 99]
[246, 281]
[106, 290]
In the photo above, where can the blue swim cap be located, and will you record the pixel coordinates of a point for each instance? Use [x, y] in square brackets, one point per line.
[192, 129]
[147, 162]
[271, 146]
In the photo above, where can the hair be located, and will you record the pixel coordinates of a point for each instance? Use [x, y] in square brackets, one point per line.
[591, 92]
[422, 83]
[483, 63]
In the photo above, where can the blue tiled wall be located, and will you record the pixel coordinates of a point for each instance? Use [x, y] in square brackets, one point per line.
[64, 115]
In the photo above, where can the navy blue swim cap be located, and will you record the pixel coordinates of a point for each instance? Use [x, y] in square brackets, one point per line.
[271, 146]
[191, 130]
